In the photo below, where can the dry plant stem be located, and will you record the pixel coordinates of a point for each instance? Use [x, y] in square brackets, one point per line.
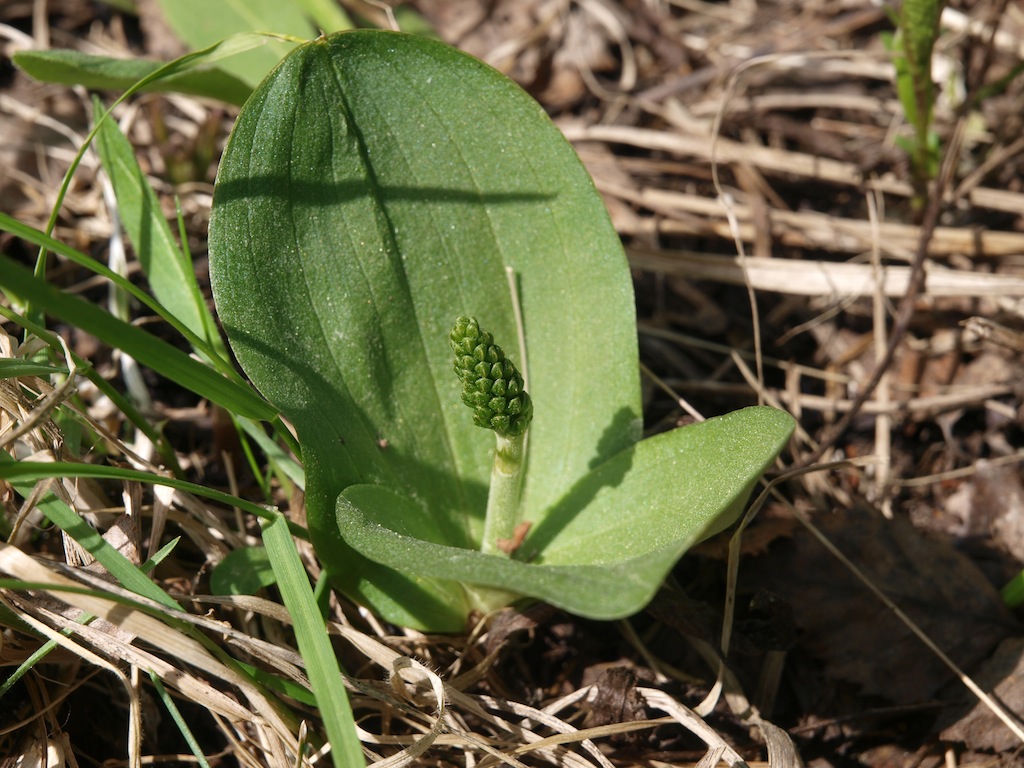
[883, 423]
[503, 498]
[991, 24]
[39, 415]
[905, 310]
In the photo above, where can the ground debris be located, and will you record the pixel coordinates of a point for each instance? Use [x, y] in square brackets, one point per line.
[855, 636]
[617, 700]
[975, 724]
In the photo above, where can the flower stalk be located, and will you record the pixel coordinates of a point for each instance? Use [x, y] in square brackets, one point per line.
[494, 389]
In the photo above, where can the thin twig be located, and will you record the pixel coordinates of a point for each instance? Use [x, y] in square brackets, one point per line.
[905, 309]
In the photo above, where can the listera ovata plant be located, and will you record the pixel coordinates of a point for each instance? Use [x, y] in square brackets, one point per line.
[376, 187]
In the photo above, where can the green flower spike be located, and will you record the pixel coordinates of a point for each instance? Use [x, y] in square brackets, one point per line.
[494, 389]
[491, 384]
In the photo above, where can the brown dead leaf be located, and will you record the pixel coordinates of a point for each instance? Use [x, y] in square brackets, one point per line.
[854, 635]
[617, 699]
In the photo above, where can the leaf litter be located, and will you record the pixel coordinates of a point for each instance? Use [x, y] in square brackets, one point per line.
[742, 149]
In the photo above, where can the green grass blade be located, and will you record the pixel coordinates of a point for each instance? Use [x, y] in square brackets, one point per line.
[274, 453]
[314, 644]
[280, 685]
[160, 555]
[147, 349]
[171, 276]
[108, 73]
[1013, 592]
[33, 472]
[38, 654]
[231, 45]
[61, 515]
[47, 243]
[12, 368]
[179, 721]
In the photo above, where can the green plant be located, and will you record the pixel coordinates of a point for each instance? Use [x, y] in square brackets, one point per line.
[917, 29]
[376, 187]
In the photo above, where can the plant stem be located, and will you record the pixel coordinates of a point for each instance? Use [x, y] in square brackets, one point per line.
[503, 498]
